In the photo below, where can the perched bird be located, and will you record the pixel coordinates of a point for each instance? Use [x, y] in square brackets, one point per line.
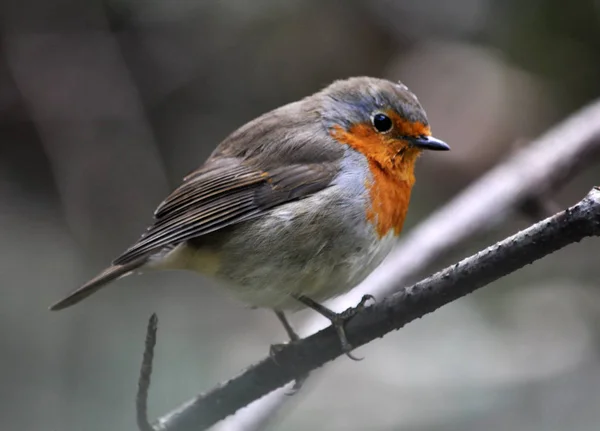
[295, 207]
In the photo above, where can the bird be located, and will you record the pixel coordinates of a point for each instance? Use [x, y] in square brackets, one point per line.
[296, 206]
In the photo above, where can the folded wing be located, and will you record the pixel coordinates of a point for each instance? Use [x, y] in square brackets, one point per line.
[222, 193]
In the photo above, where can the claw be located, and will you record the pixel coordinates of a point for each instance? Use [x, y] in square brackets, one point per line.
[366, 298]
[274, 349]
[298, 383]
[338, 323]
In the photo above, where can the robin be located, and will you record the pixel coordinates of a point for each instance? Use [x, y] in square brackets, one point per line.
[295, 207]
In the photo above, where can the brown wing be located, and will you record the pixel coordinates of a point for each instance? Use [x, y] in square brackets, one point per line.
[223, 193]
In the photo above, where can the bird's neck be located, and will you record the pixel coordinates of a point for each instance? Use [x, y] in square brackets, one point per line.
[391, 179]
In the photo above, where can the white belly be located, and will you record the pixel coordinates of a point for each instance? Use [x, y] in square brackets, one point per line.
[298, 249]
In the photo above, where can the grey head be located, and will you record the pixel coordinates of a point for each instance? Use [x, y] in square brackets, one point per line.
[356, 100]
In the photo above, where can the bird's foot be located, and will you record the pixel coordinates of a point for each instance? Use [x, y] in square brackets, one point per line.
[339, 320]
[274, 349]
[289, 330]
[351, 312]
[298, 383]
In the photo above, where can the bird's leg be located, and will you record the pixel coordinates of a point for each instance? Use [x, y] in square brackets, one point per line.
[287, 326]
[288, 329]
[338, 320]
[293, 338]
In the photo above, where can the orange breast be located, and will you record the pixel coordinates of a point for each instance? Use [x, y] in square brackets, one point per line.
[392, 175]
[389, 200]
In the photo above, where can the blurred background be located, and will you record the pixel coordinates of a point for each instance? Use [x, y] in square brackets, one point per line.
[106, 105]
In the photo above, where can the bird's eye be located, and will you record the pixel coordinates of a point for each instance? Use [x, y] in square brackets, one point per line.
[382, 123]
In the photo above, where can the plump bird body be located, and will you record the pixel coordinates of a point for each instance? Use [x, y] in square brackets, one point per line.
[302, 202]
[321, 247]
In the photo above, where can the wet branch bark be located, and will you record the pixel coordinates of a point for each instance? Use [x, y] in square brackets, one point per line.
[501, 259]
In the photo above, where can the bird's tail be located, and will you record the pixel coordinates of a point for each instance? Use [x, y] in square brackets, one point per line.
[101, 280]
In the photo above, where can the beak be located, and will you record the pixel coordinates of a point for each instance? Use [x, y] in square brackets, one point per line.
[429, 143]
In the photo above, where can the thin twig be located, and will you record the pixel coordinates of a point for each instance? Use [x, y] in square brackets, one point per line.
[503, 258]
[141, 399]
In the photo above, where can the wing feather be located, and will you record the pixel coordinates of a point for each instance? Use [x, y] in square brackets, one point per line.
[223, 193]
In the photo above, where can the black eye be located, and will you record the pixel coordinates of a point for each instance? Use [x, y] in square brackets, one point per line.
[382, 123]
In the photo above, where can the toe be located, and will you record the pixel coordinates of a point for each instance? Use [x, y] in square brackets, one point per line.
[366, 298]
[354, 358]
[274, 349]
[298, 383]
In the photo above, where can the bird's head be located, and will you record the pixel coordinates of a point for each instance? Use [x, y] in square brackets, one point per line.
[381, 119]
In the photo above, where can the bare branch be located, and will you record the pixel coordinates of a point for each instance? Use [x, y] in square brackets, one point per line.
[536, 170]
[505, 257]
[141, 400]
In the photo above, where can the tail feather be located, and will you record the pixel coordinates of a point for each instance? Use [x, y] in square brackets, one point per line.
[101, 280]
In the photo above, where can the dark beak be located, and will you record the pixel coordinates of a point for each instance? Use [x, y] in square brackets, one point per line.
[429, 143]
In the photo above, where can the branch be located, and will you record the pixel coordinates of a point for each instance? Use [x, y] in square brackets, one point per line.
[534, 171]
[141, 400]
[505, 257]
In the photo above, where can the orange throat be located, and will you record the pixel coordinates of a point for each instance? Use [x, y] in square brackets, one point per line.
[391, 164]
[389, 198]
